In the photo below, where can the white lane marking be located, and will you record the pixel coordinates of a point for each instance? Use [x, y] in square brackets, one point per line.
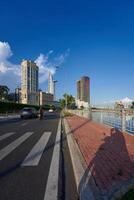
[35, 154]
[51, 192]
[9, 148]
[6, 135]
[24, 124]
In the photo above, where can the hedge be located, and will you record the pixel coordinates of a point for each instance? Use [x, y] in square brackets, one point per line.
[15, 107]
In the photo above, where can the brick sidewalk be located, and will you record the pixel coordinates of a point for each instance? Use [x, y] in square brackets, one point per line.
[109, 154]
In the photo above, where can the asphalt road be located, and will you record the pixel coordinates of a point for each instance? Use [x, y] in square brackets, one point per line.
[34, 161]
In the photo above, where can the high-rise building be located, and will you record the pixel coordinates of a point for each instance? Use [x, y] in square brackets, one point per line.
[79, 89]
[50, 83]
[29, 82]
[83, 92]
[54, 94]
[85, 89]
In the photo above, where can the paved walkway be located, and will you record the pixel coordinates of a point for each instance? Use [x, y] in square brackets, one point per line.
[109, 154]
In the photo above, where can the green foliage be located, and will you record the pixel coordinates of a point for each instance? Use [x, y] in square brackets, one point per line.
[132, 107]
[129, 195]
[69, 99]
[3, 92]
[62, 103]
[15, 107]
[67, 114]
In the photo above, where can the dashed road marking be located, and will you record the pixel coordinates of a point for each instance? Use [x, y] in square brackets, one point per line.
[6, 135]
[9, 148]
[24, 124]
[35, 154]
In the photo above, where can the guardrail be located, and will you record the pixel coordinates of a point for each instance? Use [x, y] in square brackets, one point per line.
[121, 119]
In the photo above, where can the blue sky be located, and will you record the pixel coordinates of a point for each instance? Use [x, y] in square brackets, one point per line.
[93, 37]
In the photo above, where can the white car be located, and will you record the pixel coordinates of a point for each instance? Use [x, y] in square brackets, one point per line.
[50, 110]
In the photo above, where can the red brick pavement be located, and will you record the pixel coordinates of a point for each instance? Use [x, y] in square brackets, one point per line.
[109, 154]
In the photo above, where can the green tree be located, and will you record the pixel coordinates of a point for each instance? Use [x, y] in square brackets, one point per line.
[69, 99]
[3, 92]
[132, 107]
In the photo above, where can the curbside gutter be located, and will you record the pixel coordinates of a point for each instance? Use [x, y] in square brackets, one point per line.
[79, 167]
[9, 117]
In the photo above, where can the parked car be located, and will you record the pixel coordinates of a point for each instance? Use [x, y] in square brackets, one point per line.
[28, 112]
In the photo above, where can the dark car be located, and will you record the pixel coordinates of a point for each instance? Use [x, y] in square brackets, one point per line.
[28, 112]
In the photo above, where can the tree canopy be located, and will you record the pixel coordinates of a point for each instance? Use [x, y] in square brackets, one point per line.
[67, 99]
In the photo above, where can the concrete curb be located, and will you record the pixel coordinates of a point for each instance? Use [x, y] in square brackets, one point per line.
[85, 183]
[79, 166]
[10, 117]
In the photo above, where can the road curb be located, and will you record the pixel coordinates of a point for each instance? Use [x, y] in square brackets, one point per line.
[2, 119]
[81, 174]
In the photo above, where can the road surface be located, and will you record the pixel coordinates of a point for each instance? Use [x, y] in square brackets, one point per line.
[34, 160]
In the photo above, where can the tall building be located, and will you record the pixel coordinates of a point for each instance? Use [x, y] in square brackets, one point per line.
[50, 83]
[29, 82]
[54, 86]
[79, 89]
[85, 89]
[83, 92]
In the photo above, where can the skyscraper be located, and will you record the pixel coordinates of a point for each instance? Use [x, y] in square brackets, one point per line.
[50, 83]
[29, 82]
[79, 89]
[85, 89]
[83, 92]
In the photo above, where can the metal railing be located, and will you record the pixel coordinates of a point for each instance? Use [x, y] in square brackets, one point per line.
[120, 119]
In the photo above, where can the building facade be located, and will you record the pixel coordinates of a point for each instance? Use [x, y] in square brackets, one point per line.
[18, 95]
[51, 85]
[45, 98]
[83, 92]
[79, 89]
[29, 82]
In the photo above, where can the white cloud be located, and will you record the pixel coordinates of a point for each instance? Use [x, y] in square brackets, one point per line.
[5, 51]
[45, 65]
[5, 65]
[10, 72]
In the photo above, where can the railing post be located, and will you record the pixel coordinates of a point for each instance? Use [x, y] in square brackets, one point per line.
[90, 113]
[123, 120]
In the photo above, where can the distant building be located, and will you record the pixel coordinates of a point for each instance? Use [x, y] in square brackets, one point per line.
[18, 95]
[51, 85]
[83, 92]
[78, 90]
[124, 103]
[45, 98]
[11, 97]
[29, 82]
